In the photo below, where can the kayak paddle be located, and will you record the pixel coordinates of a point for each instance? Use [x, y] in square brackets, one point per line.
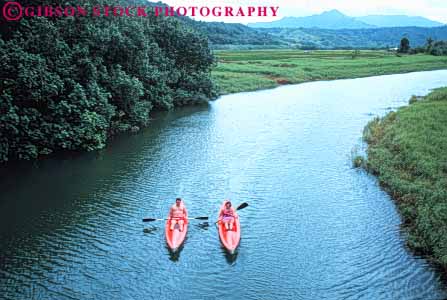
[242, 206]
[152, 219]
[198, 218]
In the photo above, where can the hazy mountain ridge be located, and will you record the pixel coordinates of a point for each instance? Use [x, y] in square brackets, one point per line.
[332, 19]
[398, 21]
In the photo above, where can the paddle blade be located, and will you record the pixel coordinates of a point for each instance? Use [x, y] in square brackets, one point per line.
[242, 206]
[201, 218]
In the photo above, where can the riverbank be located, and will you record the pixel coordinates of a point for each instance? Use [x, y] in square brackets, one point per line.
[242, 71]
[406, 150]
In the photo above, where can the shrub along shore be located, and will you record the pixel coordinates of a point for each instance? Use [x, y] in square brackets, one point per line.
[407, 152]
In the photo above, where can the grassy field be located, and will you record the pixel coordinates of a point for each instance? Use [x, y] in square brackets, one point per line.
[239, 71]
[407, 151]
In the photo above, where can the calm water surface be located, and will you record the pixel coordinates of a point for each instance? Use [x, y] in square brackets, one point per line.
[70, 228]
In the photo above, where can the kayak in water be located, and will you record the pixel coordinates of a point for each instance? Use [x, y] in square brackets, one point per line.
[176, 225]
[229, 227]
[175, 237]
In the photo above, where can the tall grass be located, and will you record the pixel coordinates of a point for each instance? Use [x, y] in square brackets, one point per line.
[239, 71]
[407, 150]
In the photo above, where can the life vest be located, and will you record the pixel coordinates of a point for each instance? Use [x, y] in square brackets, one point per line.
[228, 212]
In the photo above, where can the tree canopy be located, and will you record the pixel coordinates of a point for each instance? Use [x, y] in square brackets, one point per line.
[404, 45]
[68, 83]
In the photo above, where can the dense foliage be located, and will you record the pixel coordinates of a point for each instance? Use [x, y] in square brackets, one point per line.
[406, 149]
[404, 45]
[69, 83]
[437, 48]
[432, 47]
[223, 35]
[230, 36]
[316, 38]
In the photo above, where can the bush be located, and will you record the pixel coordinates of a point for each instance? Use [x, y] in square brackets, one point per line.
[417, 50]
[358, 161]
[439, 48]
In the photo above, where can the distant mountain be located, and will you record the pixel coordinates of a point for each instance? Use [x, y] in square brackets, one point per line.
[398, 21]
[237, 36]
[332, 19]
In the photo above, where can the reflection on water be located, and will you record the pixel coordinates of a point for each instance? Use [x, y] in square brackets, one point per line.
[70, 227]
[230, 257]
[203, 225]
[175, 255]
[151, 230]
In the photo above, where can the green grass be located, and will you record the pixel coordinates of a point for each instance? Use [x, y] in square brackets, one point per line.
[407, 150]
[240, 71]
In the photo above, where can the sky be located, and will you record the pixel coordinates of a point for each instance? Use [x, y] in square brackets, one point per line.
[432, 9]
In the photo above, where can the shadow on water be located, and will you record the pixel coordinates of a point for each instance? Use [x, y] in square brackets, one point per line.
[64, 182]
[65, 192]
[151, 230]
[174, 255]
[203, 225]
[230, 257]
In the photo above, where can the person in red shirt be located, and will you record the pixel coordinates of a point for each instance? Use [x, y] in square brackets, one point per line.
[178, 214]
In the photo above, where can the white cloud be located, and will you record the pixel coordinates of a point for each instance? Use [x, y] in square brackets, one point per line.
[432, 9]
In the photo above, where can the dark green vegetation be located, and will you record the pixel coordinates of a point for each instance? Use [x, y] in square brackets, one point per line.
[404, 45]
[70, 83]
[239, 71]
[237, 36]
[432, 47]
[228, 36]
[437, 48]
[225, 36]
[407, 151]
[316, 38]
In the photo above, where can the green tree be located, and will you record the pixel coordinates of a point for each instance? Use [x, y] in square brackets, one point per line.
[404, 45]
[429, 45]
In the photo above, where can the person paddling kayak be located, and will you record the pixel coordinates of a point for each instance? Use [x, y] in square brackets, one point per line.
[227, 215]
[177, 214]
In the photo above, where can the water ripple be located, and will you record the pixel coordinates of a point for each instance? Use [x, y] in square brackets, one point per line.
[314, 229]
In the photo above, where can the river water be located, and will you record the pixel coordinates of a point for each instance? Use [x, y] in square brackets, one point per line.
[315, 228]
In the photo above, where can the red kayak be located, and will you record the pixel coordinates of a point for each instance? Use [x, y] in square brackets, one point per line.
[175, 238]
[230, 238]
